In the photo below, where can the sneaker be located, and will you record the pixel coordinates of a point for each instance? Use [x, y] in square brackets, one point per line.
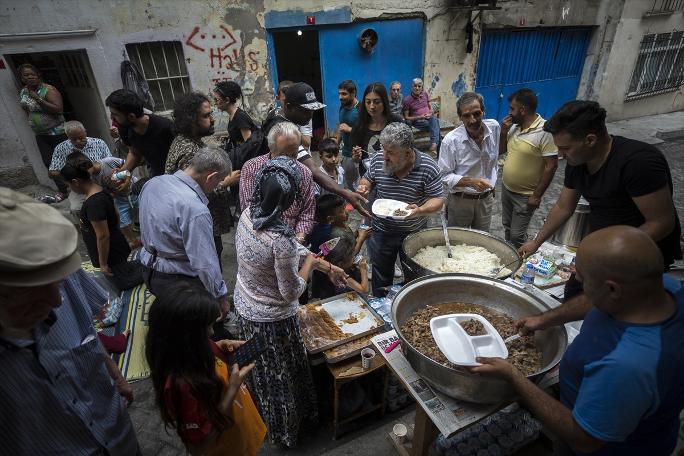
[397, 271]
[48, 199]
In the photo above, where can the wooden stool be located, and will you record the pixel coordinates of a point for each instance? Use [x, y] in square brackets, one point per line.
[348, 371]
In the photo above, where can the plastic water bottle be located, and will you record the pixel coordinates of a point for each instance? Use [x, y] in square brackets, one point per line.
[121, 175]
[527, 277]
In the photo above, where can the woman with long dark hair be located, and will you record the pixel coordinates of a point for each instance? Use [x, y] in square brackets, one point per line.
[197, 393]
[373, 117]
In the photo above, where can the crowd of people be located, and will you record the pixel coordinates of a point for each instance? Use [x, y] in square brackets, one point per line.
[263, 183]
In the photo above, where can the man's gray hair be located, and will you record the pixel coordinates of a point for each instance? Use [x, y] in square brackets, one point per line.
[467, 98]
[394, 83]
[415, 80]
[282, 129]
[73, 125]
[211, 159]
[397, 134]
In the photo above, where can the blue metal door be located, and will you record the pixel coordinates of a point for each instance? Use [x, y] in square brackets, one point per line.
[547, 61]
[397, 56]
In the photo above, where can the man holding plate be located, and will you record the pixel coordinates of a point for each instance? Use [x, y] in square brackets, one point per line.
[400, 172]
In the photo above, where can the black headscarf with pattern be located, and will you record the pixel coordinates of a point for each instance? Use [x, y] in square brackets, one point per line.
[277, 185]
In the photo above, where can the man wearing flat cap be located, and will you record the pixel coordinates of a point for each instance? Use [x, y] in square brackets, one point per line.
[58, 387]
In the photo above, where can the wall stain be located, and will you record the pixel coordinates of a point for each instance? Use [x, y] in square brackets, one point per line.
[458, 86]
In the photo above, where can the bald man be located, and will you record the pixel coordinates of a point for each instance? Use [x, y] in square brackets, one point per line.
[621, 378]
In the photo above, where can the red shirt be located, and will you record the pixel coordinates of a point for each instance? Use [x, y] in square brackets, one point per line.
[417, 106]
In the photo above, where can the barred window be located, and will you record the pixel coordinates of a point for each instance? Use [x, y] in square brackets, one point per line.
[659, 67]
[163, 66]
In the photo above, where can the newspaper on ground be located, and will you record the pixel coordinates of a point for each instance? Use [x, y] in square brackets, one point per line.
[449, 415]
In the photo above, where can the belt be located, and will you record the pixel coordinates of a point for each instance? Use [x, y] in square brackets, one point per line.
[474, 196]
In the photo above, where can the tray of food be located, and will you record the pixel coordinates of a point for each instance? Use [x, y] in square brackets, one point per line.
[334, 321]
[390, 209]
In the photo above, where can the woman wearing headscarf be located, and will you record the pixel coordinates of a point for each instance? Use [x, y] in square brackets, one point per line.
[272, 272]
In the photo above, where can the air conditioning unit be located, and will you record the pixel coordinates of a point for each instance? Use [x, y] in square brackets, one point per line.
[473, 4]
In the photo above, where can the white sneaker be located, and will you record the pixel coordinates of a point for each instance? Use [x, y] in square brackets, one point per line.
[397, 271]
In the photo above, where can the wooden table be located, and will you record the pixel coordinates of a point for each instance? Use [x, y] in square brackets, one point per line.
[349, 371]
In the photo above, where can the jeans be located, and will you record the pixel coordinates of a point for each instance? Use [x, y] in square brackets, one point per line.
[431, 125]
[46, 146]
[383, 249]
[515, 216]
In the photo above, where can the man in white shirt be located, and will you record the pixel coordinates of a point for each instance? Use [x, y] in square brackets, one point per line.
[468, 161]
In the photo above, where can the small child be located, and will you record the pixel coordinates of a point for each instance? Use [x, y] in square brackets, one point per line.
[342, 256]
[126, 202]
[331, 213]
[329, 152]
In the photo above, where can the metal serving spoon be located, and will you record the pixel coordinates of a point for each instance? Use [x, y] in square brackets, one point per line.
[446, 233]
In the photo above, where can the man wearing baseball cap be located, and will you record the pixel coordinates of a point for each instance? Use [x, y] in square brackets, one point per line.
[298, 107]
[58, 388]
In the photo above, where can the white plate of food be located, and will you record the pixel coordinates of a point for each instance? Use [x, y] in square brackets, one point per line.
[464, 337]
[390, 209]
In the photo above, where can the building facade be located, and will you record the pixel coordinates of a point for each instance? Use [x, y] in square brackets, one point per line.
[615, 51]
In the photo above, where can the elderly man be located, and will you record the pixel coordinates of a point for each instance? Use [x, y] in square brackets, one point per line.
[284, 139]
[300, 103]
[77, 141]
[530, 166]
[626, 182]
[58, 387]
[193, 120]
[176, 225]
[418, 112]
[396, 99]
[621, 378]
[403, 173]
[467, 161]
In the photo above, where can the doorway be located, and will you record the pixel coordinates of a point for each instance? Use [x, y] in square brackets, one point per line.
[71, 74]
[297, 57]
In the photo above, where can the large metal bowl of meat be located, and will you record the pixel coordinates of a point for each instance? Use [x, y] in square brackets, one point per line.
[433, 237]
[497, 295]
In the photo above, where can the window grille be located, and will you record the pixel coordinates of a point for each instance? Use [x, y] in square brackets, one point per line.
[660, 65]
[660, 7]
[163, 66]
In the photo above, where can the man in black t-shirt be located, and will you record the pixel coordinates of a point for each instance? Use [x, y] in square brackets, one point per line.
[626, 182]
[146, 135]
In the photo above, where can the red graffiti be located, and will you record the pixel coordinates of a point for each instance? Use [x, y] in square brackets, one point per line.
[225, 78]
[189, 42]
[254, 64]
[233, 40]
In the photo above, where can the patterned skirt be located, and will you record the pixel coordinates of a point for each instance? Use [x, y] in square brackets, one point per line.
[281, 379]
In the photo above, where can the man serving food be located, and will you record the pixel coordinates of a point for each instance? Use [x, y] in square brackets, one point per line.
[620, 379]
[401, 172]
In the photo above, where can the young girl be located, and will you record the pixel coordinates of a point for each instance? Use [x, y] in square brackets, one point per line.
[196, 391]
[99, 222]
[343, 257]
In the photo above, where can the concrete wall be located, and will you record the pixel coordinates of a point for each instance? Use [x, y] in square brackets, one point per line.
[612, 82]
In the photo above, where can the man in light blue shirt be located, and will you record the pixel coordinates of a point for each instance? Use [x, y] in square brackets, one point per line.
[176, 226]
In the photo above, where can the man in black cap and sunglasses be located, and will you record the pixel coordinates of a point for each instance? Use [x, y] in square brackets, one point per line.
[298, 107]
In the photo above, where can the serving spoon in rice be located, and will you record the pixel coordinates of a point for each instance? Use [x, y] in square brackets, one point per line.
[446, 233]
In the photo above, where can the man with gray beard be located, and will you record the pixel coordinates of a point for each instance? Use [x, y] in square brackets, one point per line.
[400, 172]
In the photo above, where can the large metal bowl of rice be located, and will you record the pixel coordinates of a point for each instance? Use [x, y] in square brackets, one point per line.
[473, 252]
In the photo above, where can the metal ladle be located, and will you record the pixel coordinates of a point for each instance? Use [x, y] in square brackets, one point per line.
[446, 233]
[496, 271]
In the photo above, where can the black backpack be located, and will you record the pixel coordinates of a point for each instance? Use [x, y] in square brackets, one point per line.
[247, 150]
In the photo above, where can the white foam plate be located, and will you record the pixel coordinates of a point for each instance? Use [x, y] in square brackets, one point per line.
[462, 349]
[384, 208]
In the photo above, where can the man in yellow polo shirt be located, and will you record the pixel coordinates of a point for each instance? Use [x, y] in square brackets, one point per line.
[530, 166]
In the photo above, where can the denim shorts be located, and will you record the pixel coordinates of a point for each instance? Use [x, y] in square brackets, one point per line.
[125, 205]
